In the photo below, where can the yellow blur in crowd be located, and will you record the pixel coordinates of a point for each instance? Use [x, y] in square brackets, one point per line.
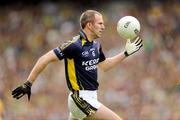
[1, 109]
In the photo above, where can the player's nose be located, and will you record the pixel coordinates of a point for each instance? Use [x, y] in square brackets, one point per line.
[103, 27]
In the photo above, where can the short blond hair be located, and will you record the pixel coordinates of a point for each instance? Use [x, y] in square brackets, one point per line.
[87, 16]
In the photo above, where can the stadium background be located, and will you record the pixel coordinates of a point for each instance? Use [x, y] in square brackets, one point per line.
[146, 86]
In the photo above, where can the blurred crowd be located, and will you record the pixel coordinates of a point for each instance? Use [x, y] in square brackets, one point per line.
[146, 86]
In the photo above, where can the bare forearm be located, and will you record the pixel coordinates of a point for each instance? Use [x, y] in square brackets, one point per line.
[39, 66]
[112, 61]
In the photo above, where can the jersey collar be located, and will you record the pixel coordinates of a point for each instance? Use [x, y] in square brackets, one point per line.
[83, 35]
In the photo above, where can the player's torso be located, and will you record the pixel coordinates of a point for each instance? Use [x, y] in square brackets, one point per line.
[86, 57]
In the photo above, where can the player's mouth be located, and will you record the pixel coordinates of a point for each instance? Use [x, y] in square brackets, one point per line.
[100, 32]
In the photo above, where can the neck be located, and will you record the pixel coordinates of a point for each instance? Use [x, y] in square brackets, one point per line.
[88, 34]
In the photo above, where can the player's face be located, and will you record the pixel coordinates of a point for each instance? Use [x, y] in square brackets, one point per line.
[98, 26]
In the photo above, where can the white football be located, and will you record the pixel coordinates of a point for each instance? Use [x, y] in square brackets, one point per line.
[128, 27]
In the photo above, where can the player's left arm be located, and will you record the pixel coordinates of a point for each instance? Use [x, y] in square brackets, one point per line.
[130, 48]
[110, 62]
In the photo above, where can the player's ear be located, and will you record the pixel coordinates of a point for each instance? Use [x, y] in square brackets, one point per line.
[90, 25]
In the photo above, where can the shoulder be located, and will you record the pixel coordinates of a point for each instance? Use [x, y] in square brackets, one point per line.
[71, 43]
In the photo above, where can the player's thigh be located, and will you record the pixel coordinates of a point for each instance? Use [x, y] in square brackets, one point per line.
[104, 113]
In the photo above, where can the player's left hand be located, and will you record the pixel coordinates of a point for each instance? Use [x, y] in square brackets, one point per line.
[22, 90]
[132, 47]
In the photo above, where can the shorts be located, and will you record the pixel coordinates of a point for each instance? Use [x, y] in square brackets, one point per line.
[83, 103]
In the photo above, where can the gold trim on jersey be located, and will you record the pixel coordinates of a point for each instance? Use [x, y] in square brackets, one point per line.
[65, 45]
[83, 41]
[72, 74]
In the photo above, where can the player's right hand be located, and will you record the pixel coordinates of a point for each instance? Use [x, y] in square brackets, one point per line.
[22, 90]
[132, 47]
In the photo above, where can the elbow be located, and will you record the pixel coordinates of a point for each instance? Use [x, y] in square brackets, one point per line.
[43, 59]
[104, 69]
[47, 58]
[105, 66]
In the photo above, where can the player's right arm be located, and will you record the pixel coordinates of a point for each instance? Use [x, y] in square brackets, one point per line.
[40, 65]
[42, 62]
[67, 50]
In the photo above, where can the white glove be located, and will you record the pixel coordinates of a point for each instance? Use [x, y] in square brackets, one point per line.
[133, 47]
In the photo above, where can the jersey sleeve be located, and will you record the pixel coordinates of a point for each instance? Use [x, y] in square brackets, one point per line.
[66, 50]
[101, 55]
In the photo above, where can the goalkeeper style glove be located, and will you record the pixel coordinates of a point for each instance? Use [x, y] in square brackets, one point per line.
[22, 90]
[133, 47]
